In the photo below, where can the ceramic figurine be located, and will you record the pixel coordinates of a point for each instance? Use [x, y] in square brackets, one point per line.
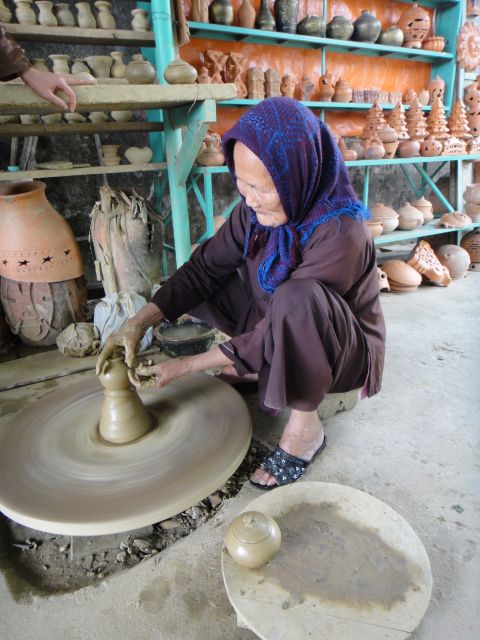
[458, 121]
[199, 11]
[253, 539]
[367, 27]
[398, 121]
[392, 37]
[416, 122]
[24, 12]
[306, 88]
[234, 70]
[141, 20]
[468, 46]
[265, 19]
[383, 283]
[455, 258]
[215, 62]
[140, 71]
[65, 17]
[180, 72]
[246, 15]
[415, 24]
[105, 20]
[340, 28]
[327, 87]
[312, 26]
[85, 17]
[221, 12]
[286, 15]
[203, 77]
[343, 91]
[436, 89]
[255, 83]
[437, 121]
[409, 97]
[272, 83]
[287, 86]
[45, 13]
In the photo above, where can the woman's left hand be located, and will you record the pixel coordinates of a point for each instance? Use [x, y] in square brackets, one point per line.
[156, 376]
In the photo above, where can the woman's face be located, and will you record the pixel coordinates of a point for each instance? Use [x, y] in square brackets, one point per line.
[256, 186]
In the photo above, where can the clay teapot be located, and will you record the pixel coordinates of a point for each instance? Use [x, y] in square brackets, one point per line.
[409, 218]
[471, 243]
[253, 539]
[343, 91]
[431, 147]
[455, 258]
[180, 72]
[140, 71]
[426, 207]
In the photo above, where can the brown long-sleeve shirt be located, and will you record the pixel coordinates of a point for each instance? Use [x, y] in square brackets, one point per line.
[13, 61]
[340, 255]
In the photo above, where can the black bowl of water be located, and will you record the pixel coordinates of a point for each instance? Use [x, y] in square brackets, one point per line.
[186, 337]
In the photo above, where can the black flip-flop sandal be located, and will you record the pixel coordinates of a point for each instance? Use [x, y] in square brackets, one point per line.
[284, 467]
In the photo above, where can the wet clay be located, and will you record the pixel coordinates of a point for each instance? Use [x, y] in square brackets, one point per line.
[349, 563]
[184, 331]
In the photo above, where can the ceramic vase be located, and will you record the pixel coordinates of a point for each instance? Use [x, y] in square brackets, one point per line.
[24, 12]
[180, 72]
[64, 15]
[312, 26]
[5, 13]
[119, 67]
[265, 20]
[246, 15]
[221, 12]
[85, 17]
[39, 63]
[367, 27]
[140, 71]
[140, 20]
[286, 15]
[60, 63]
[110, 154]
[45, 13]
[340, 28]
[100, 65]
[391, 37]
[79, 66]
[105, 20]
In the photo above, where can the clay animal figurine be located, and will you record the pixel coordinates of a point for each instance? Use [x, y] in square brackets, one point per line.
[287, 86]
[203, 77]
[306, 88]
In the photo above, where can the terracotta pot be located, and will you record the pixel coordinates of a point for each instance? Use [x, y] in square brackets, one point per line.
[435, 43]
[45, 13]
[455, 258]
[253, 539]
[36, 243]
[105, 20]
[392, 37]
[415, 24]
[24, 12]
[39, 311]
[138, 155]
[141, 20]
[246, 15]
[64, 15]
[343, 91]
[5, 13]
[409, 149]
[387, 215]
[472, 193]
[471, 243]
[367, 27]
[426, 207]
[60, 63]
[221, 12]
[374, 149]
[375, 227]
[119, 67]
[312, 26]
[140, 71]
[409, 217]
[180, 72]
[454, 220]
[431, 147]
[85, 17]
[359, 148]
[100, 65]
[340, 28]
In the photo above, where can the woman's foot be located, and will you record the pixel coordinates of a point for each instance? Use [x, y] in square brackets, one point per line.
[302, 437]
[229, 374]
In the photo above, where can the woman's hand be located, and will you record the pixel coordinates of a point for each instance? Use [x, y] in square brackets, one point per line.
[45, 83]
[149, 376]
[125, 340]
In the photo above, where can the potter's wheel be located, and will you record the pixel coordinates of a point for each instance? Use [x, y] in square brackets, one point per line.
[349, 567]
[57, 475]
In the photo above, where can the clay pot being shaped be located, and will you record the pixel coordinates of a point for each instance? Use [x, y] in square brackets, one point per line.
[455, 258]
[409, 149]
[64, 15]
[343, 91]
[140, 71]
[24, 12]
[286, 15]
[105, 20]
[392, 37]
[100, 65]
[265, 20]
[401, 276]
[253, 539]
[139, 155]
[85, 17]
[122, 116]
[327, 87]
[340, 28]
[472, 193]
[221, 12]
[426, 207]
[45, 13]
[415, 24]
[140, 20]
[409, 218]
[471, 243]
[367, 27]
[454, 220]
[180, 72]
[60, 63]
[5, 13]
[431, 147]
[375, 227]
[312, 26]
[246, 15]
[435, 43]
[118, 67]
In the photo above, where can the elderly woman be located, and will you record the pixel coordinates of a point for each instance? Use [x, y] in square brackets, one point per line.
[291, 276]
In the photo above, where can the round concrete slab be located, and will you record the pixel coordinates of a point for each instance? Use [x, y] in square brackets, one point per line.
[57, 475]
[349, 567]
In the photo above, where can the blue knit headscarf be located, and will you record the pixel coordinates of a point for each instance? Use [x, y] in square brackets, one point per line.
[309, 174]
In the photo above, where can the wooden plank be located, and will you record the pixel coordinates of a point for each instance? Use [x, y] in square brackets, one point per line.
[39, 174]
[16, 99]
[82, 128]
[76, 35]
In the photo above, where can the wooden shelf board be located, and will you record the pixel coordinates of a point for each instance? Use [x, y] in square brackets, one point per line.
[77, 35]
[40, 174]
[421, 232]
[16, 99]
[82, 128]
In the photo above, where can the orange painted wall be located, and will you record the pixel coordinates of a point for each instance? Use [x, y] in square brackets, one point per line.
[361, 72]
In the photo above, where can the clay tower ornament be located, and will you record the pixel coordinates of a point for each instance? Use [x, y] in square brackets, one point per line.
[437, 121]
[375, 122]
[416, 122]
[458, 122]
[398, 121]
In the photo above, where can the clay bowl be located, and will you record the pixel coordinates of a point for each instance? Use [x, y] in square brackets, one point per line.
[185, 338]
[375, 227]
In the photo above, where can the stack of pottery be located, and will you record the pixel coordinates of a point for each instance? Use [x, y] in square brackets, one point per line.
[424, 260]
[472, 201]
[417, 131]
[367, 27]
[110, 154]
[397, 121]
[409, 217]
[415, 24]
[42, 289]
[343, 91]
[471, 243]
[375, 122]
[455, 258]
[458, 121]
[340, 28]
[437, 121]
[386, 215]
[425, 207]
[389, 138]
[402, 278]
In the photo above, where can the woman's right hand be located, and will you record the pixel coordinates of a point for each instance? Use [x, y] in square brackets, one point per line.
[125, 340]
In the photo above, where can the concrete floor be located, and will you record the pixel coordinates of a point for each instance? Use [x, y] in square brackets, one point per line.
[413, 446]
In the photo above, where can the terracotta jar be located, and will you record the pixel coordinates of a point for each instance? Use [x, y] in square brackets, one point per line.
[343, 91]
[431, 147]
[100, 65]
[327, 87]
[105, 20]
[455, 258]
[24, 12]
[409, 217]
[141, 20]
[210, 154]
[253, 539]
[472, 193]
[387, 215]
[5, 13]
[375, 227]
[60, 63]
[118, 67]
[415, 24]
[312, 26]
[471, 243]
[246, 15]
[367, 27]
[45, 13]
[180, 72]
[374, 149]
[286, 15]
[85, 17]
[426, 207]
[140, 71]
[64, 15]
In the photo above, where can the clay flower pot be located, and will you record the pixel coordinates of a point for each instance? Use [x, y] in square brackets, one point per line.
[138, 155]
[85, 17]
[140, 20]
[24, 12]
[45, 13]
[455, 258]
[64, 15]
[119, 67]
[105, 20]
[409, 218]
[180, 72]
[253, 539]
[140, 71]
[100, 65]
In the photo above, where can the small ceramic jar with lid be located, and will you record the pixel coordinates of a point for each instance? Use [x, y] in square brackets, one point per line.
[253, 539]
